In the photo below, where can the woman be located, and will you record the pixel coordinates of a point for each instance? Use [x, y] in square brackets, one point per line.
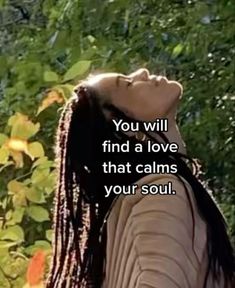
[135, 241]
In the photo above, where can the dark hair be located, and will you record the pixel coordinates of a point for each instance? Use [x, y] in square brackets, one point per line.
[81, 209]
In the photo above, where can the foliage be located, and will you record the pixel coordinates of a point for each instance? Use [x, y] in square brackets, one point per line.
[47, 46]
[25, 225]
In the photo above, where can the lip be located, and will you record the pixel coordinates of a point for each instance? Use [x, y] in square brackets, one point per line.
[159, 79]
[162, 78]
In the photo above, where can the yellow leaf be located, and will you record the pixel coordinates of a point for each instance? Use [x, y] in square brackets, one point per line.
[3, 139]
[18, 158]
[18, 117]
[24, 130]
[18, 145]
[22, 127]
[4, 155]
[52, 97]
[19, 199]
[15, 186]
[35, 150]
[18, 190]
[66, 90]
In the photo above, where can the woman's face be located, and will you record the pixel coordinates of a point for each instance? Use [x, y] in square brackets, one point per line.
[140, 95]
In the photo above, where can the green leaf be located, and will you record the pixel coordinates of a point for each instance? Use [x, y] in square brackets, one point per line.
[3, 60]
[35, 150]
[14, 233]
[18, 214]
[177, 50]
[91, 38]
[43, 163]
[3, 138]
[78, 69]
[38, 245]
[50, 76]
[4, 252]
[49, 234]
[8, 215]
[6, 244]
[40, 175]
[40, 161]
[38, 213]
[35, 195]
[44, 180]
[4, 155]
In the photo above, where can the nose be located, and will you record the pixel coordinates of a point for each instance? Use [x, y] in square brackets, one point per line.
[141, 74]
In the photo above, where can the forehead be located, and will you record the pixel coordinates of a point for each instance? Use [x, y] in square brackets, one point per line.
[102, 78]
[105, 83]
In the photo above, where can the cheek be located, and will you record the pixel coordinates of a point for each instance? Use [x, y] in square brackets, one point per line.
[143, 105]
[167, 96]
[147, 103]
[157, 102]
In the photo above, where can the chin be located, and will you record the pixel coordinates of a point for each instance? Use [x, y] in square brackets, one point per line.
[178, 88]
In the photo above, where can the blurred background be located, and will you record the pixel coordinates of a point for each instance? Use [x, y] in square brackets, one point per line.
[47, 46]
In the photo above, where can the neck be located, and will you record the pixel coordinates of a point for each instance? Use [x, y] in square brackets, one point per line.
[173, 135]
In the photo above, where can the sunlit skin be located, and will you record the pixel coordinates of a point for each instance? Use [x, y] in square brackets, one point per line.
[140, 95]
[143, 97]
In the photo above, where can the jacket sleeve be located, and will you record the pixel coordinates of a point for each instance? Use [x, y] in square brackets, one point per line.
[163, 239]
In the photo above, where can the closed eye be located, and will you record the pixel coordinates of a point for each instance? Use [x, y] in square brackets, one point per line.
[128, 80]
[129, 83]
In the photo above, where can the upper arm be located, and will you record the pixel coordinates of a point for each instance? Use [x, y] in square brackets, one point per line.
[162, 230]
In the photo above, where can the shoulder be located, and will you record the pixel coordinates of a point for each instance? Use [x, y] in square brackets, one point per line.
[173, 216]
[160, 234]
[161, 191]
[178, 203]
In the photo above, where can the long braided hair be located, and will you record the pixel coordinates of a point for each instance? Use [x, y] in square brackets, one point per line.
[81, 208]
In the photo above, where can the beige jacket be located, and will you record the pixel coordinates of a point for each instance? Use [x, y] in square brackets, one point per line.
[149, 240]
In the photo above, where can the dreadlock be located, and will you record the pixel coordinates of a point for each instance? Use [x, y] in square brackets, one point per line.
[81, 209]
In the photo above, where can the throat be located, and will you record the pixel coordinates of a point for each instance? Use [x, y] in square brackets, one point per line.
[174, 136]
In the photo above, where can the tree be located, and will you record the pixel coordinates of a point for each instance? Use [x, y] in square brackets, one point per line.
[47, 46]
